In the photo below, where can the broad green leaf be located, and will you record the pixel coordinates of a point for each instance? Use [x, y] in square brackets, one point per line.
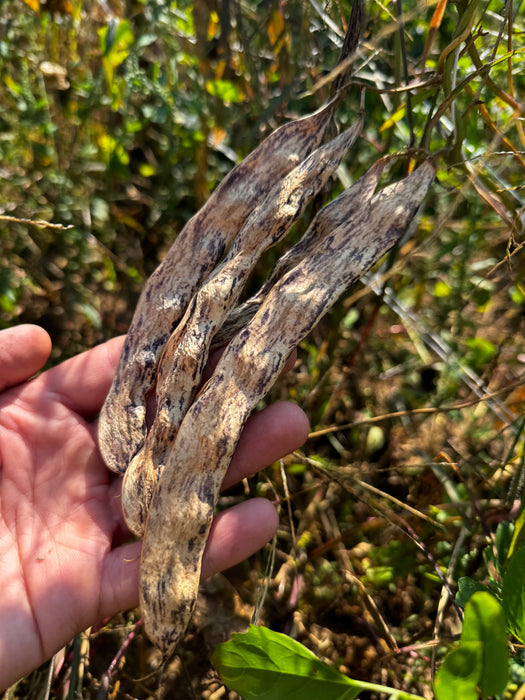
[513, 596]
[485, 622]
[457, 677]
[467, 588]
[270, 665]
[479, 666]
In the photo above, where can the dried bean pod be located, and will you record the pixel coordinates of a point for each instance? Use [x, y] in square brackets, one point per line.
[186, 353]
[193, 255]
[326, 220]
[183, 503]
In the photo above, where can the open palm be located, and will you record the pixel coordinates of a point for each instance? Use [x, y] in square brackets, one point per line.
[66, 559]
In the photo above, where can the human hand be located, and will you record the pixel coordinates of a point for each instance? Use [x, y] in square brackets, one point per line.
[65, 563]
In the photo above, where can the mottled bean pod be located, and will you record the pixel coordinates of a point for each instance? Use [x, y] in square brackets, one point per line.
[183, 502]
[194, 254]
[186, 352]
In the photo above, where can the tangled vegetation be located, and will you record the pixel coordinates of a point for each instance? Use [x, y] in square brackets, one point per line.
[119, 118]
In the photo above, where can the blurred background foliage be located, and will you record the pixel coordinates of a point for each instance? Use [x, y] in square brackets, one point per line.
[119, 118]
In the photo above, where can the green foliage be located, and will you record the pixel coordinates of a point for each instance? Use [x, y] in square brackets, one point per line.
[482, 351]
[466, 589]
[513, 594]
[265, 664]
[271, 665]
[479, 666]
[491, 614]
[115, 41]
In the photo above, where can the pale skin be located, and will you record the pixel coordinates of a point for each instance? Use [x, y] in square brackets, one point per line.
[66, 559]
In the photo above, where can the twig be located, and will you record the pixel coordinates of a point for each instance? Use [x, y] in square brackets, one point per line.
[35, 222]
[443, 599]
[108, 675]
[80, 653]
[263, 590]
[400, 89]
[389, 497]
[49, 679]
[416, 411]
[410, 118]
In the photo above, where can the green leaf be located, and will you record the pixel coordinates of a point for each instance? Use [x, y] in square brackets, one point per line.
[147, 170]
[91, 314]
[497, 555]
[270, 665]
[479, 666]
[402, 109]
[375, 440]
[115, 40]
[504, 539]
[442, 289]
[226, 90]
[12, 86]
[146, 40]
[458, 675]
[379, 576]
[517, 293]
[517, 534]
[467, 588]
[6, 303]
[296, 468]
[513, 595]
[485, 622]
[481, 352]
